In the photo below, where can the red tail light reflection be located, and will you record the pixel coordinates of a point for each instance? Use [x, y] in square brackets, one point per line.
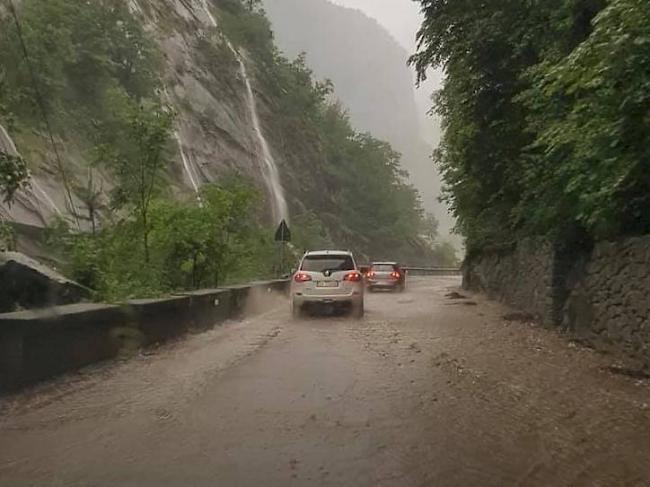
[352, 277]
[302, 277]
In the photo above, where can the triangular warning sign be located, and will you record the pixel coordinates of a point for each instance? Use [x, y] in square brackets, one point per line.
[283, 234]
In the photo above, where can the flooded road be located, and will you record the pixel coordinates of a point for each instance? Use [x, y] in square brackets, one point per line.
[429, 389]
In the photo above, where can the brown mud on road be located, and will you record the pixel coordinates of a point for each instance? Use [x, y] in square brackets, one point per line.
[425, 391]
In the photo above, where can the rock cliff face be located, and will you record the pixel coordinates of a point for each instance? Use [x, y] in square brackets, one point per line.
[205, 80]
[240, 106]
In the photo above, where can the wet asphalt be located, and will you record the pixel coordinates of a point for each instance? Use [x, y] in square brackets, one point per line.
[429, 389]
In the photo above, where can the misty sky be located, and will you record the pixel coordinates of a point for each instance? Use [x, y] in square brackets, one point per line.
[401, 17]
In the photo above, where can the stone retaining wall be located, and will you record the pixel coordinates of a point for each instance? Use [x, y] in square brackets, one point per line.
[609, 296]
[522, 277]
[602, 295]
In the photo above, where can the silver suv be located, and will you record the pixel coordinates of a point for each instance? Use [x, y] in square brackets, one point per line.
[327, 278]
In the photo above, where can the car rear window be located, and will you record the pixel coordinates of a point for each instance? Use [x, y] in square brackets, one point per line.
[322, 263]
[383, 268]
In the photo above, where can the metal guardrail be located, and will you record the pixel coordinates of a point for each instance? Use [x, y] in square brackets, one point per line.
[423, 271]
[433, 271]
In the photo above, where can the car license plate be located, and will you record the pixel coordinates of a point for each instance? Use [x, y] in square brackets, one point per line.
[327, 284]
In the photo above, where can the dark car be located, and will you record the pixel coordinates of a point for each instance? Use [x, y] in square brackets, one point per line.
[386, 275]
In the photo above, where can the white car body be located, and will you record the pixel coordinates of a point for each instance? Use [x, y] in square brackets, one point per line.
[328, 278]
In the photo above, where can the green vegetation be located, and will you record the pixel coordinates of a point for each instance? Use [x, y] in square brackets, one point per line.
[546, 112]
[7, 237]
[80, 51]
[352, 184]
[363, 195]
[13, 175]
[84, 60]
[98, 76]
[137, 159]
[190, 246]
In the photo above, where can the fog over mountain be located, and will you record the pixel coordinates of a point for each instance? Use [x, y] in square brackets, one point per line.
[402, 19]
[369, 69]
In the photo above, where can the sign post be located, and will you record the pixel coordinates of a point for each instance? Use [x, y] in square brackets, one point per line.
[282, 235]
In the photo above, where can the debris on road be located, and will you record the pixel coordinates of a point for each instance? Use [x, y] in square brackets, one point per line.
[519, 317]
[455, 295]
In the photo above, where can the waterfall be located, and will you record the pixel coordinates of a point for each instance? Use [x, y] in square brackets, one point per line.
[186, 164]
[6, 143]
[134, 7]
[269, 168]
[7, 146]
[213, 21]
[40, 194]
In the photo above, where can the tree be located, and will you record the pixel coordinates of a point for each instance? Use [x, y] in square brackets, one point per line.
[430, 227]
[590, 111]
[140, 157]
[488, 156]
[252, 4]
[200, 245]
[91, 196]
[80, 49]
[13, 175]
[445, 254]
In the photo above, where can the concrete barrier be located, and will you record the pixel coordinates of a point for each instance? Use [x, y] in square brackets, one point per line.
[159, 320]
[207, 307]
[37, 345]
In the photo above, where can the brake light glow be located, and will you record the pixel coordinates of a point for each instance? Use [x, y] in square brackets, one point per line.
[370, 275]
[352, 277]
[395, 275]
[302, 277]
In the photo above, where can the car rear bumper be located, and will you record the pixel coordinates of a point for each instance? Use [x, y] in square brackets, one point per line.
[337, 299]
[386, 284]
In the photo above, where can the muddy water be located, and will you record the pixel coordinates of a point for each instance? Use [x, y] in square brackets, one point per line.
[426, 390]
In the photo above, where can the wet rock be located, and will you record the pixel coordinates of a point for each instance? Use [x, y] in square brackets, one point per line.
[633, 373]
[519, 317]
[26, 283]
[455, 295]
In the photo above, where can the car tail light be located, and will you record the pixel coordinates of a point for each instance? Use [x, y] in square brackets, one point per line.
[370, 275]
[302, 277]
[352, 277]
[395, 275]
